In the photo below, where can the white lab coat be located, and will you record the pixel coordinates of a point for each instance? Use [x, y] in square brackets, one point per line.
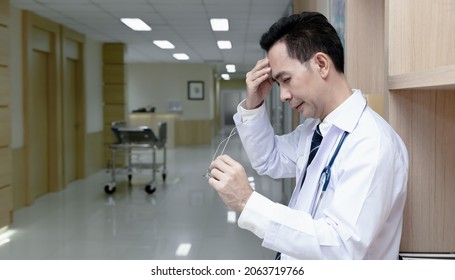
[360, 215]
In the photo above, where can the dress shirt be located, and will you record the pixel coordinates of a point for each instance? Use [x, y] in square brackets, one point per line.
[360, 215]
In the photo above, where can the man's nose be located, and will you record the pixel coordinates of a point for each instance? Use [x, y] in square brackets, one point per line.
[285, 95]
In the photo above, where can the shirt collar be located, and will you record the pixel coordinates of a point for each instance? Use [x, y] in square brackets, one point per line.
[347, 115]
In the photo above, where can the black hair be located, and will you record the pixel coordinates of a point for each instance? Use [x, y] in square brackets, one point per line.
[304, 35]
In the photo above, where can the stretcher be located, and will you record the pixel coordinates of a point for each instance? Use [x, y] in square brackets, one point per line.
[133, 142]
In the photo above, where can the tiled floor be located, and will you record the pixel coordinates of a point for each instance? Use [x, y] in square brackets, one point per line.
[183, 219]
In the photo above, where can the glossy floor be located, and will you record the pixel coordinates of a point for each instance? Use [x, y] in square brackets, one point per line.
[183, 219]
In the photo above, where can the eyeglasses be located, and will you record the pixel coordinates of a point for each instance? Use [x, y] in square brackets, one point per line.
[232, 133]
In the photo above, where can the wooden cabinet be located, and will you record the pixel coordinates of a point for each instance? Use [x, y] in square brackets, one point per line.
[420, 40]
[409, 47]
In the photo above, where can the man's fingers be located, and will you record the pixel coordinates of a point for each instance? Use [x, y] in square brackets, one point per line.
[219, 163]
[224, 166]
[262, 67]
[218, 174]
[225, 163]
[261, 64]
[258, 75]
[228, 160]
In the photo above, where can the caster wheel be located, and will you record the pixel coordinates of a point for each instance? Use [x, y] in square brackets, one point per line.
[164, 177]
[151, 188]
[109, 189]
[130, 177]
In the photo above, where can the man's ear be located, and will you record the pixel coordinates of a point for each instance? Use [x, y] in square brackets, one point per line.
[322, 63]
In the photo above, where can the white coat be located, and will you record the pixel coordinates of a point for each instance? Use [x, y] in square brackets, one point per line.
[360, 215]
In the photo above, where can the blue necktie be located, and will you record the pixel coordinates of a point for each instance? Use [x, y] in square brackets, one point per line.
[315, 143]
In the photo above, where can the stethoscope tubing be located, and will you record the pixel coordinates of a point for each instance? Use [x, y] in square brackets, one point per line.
[326, 174]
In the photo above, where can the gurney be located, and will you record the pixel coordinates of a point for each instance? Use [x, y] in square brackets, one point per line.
[132, 141]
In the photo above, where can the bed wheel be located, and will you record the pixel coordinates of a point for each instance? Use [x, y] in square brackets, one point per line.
[150, 188]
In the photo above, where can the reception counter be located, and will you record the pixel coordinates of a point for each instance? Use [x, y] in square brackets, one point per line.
[152, 120]
[179, 132]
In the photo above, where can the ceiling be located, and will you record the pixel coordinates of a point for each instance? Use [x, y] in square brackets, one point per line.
[185, 23]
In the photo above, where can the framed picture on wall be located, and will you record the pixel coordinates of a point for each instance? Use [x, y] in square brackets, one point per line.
[195, 90]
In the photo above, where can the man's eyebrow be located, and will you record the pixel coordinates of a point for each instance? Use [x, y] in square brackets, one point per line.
[277, 76]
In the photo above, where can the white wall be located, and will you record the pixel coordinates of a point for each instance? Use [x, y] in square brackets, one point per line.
[155, 85]
[93, 72]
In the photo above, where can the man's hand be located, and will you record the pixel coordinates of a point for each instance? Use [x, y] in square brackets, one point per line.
[229, 179]
[258, 84]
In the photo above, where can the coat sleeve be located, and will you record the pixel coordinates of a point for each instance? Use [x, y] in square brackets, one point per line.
[268, 153]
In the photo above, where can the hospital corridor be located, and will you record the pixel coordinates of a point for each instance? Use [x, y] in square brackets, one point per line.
[112, 111]
[183, 219]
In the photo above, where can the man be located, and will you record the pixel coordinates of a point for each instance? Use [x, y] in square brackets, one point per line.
[352, 211]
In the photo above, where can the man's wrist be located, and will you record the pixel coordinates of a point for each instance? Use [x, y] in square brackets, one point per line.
[250, 106]
[244, 201]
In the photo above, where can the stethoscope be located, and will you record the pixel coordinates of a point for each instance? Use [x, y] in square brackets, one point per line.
[324, 178]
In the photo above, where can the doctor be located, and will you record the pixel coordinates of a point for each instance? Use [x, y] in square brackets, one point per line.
[348, 202]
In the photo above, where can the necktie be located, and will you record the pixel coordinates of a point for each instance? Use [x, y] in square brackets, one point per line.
[315, 143]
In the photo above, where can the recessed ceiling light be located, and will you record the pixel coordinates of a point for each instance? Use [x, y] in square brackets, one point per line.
[219, 24]
[225, 76]
[230, 68]
[164, 44]
[136, 24]
[181, 56]
[224, 44]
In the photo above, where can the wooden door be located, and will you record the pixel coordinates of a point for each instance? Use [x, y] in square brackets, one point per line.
[73, 105]
[42, 106]
[38, 124]
[70, 120]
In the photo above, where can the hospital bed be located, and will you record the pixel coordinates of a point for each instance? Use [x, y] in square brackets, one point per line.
[132, 143]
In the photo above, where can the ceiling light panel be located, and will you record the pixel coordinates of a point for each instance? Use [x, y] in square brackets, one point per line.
[164, 44]
[136, 24]
[181, 56]
[219, 24]
[224, 44]
[225, 77]
[230, 68]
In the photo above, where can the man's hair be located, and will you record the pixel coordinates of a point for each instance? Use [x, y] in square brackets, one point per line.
[304, 35]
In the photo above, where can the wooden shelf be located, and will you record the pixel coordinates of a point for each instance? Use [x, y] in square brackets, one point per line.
[441, 78]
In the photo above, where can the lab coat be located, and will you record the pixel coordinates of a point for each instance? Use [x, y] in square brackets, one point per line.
[360, 214]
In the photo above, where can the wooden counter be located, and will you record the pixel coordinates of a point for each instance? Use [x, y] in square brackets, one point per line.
[152, 120]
